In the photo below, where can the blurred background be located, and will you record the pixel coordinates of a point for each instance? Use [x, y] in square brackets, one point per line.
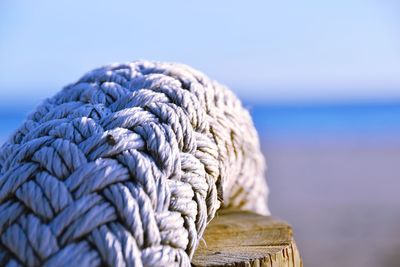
[321, 78]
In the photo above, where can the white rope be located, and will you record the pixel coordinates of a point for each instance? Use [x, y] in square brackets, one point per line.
[125, 168]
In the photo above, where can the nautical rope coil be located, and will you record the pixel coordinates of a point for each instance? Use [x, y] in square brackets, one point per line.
[125, 168]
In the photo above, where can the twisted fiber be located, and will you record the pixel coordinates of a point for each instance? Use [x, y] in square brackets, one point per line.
[125, 168]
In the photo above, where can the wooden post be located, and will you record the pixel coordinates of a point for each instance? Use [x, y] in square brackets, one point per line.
[240, 238]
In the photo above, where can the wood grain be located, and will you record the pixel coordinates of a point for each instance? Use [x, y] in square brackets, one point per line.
[239, 238]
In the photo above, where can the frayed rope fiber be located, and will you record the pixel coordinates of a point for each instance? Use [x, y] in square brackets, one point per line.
[125, 168]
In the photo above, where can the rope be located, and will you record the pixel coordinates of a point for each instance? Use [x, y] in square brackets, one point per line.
[125, 168]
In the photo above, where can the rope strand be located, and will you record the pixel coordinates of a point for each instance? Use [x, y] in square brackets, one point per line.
[125, 168]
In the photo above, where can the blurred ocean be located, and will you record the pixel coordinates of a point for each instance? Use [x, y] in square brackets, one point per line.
[299, 121]
[327, 120]
[334, 174]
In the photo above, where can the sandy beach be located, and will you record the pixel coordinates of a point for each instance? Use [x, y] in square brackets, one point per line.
[341, 196]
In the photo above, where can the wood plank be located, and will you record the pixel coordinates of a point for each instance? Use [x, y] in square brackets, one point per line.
[240, 238]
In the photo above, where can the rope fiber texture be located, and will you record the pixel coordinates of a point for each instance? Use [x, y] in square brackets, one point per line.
[125, 168]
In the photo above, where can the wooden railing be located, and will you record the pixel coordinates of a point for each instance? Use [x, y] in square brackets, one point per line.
[238, 238]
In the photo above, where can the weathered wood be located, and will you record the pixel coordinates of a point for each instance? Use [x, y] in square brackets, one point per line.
[238, 238]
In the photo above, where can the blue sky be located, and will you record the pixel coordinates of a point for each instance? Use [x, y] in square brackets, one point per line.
[265, 50]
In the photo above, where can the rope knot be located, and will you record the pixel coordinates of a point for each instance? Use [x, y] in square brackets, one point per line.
[125, 168]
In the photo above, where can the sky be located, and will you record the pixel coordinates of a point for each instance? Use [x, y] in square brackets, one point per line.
[264, 50]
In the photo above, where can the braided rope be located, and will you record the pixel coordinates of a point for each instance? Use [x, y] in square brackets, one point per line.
[125, 168]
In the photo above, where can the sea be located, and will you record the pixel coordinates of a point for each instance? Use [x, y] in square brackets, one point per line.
[366, 119]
